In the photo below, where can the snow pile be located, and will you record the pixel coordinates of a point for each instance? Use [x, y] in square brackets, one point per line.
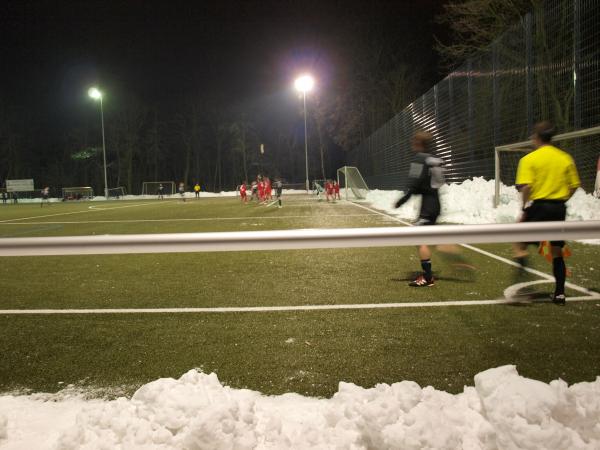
[503, 410]
[471, 202]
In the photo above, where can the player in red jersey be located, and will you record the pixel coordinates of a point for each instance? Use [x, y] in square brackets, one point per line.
[243, 194]
[336, 191]
[329, 190]
[261, 190]
[268, 190]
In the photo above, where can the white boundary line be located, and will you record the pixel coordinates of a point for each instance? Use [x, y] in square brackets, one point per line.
[200, 219]
[234, 309]
[491, 255]
[90, 209]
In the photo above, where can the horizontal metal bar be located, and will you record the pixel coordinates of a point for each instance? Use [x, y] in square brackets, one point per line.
[298, 239]
[558, 137]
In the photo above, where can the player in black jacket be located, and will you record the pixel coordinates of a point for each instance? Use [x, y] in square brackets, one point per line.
[425, 177]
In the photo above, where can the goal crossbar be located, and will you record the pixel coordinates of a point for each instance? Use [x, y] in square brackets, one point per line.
[299, 239]
[526, 146]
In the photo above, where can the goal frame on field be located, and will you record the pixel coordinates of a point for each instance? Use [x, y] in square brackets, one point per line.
[87, 193]
[117, 192]
[156, 184]
[525, 147]
[350, 180]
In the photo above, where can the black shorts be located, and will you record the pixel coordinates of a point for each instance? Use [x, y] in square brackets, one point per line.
[430, 209]
[546, 211]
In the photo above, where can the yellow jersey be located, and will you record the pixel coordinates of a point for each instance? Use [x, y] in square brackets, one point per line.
[550, 173]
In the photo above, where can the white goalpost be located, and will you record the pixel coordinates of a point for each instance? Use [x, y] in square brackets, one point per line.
[582, 145]
[352, 183]
[151, 187]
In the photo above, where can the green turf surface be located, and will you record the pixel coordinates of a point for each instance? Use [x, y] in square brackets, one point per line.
[305, 352]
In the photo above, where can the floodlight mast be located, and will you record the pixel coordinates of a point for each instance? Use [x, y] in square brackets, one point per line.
[304, 84]
[96, 94]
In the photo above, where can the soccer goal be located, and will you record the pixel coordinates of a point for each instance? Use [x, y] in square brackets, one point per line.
[151, 187]
[77, 193]
[582, 145]
[352, 183]
[117, 192]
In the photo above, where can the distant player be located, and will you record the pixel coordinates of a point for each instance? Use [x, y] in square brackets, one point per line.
[278, 191]
[243, 193]
[160, 192]
[547, 177]
[268, 189]
[318, 189]
[45, 196]
[254, 190]
[182, 191]
[329, 190]
[261, 189]
[336, 191]
[197, 190]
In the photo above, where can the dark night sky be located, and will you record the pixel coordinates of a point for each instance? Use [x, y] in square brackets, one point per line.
[52, 51]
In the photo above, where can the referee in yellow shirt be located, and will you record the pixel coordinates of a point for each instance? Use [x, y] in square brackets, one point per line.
[547, 178]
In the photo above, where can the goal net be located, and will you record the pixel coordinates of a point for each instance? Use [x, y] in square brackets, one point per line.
[151, 187]
[77, 193]
[117, 192]
[352, 184]
[582, 145]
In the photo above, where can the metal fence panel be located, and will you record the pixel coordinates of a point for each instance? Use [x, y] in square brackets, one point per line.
[544, 67]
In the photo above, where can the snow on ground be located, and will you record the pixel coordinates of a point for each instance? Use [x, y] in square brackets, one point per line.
[502, 411]
[471, 202]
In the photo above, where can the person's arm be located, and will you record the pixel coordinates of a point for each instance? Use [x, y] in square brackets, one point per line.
[402, 200]
[525, 194]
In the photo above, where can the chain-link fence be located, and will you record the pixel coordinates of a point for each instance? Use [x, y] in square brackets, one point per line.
[545, 67]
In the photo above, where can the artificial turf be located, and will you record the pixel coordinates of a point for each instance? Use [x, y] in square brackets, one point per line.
[308, 352]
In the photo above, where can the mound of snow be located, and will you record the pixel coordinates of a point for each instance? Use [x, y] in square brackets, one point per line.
[503, 410]
[471, 202]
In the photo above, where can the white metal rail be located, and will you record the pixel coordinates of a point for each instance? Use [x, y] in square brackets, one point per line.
[299, 239]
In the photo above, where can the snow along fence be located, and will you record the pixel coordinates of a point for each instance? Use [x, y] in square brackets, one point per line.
[299, 239]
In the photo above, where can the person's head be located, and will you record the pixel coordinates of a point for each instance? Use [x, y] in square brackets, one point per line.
[542, 133]
[421, 141]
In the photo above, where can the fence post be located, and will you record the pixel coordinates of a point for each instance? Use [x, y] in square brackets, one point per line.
[529, 69]
[576, 63]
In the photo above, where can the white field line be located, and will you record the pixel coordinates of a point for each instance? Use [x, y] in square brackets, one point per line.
[234, 309]
[90, 209]
[249, 218]
[491, 255]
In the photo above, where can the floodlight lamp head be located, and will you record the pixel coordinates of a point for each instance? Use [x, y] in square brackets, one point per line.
[95, 93]
[304, 83]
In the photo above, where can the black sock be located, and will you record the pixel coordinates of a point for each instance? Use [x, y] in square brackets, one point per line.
[426, 266]
[522, 261]
[560, 273]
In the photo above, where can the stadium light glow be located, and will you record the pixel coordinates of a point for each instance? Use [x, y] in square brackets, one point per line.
[304, 83]
[95, 93]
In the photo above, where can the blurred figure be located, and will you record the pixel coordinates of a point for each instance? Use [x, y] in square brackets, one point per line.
[425, 177]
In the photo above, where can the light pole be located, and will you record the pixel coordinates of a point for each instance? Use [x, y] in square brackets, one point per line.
[96, 94]
[304, 84]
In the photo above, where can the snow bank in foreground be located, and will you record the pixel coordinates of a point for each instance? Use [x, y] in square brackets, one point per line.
[471, 202]
[503, 410]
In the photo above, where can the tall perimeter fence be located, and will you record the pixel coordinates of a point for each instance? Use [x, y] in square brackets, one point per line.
[545, 67]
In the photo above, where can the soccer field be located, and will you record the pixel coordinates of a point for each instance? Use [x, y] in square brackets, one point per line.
[214, 311]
